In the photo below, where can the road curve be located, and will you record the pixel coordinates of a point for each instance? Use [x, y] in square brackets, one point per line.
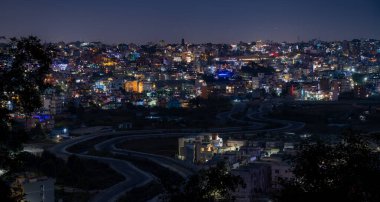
[133, 176]
[175, 165]
[263, 110]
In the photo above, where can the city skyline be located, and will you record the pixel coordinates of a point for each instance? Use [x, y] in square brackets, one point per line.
[167, 101]
[197, 22]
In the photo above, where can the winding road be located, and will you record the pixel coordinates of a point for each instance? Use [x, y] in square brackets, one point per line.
[135, 177]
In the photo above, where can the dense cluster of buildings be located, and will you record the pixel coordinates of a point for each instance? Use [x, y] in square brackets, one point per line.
[169, 75]
[100, 76]
[259, 163]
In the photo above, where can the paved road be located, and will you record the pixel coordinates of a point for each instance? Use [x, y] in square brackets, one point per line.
[135, 177]
[238, 108]
[258, 119]
[263, 110]
[175, 165]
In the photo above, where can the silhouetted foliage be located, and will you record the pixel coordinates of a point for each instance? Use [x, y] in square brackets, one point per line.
[21, 84]
[348, 171]
[214, 184]
[358, 78]
[76, 172]
[254, 69]
[212, 103]
[37, 132]
[24, 81]
[143, 193]
[5, 192]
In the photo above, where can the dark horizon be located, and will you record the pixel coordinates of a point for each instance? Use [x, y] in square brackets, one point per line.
[197, 21]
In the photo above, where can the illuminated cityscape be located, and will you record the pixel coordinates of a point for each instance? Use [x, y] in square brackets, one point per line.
[158, 102]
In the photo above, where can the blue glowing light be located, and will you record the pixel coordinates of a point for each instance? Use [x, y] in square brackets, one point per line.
[42, 117]
[224, 74]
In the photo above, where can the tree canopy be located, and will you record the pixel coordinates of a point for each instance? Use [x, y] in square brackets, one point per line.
[22, 82]
[214, 184]
[348, 171]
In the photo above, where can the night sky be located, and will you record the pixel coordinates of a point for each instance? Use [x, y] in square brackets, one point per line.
[141, 21]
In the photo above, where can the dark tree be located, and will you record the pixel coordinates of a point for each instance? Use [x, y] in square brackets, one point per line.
[21, 84]
[214, 184]
[348, 171]
[213, 103]
[24, 80]
[5, 192]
